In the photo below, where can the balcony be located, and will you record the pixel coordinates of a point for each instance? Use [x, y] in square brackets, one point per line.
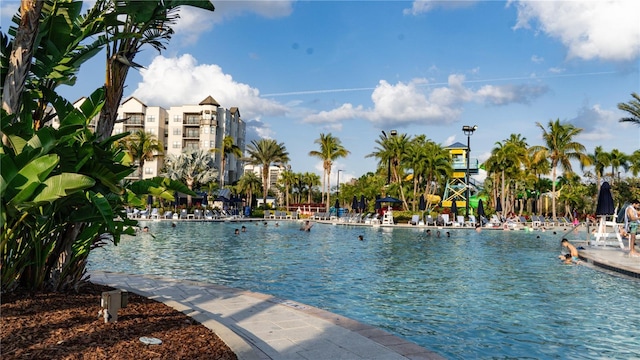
[190, 133]
[191, 120]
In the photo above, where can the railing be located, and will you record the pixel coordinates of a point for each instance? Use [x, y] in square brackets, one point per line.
[462, 165]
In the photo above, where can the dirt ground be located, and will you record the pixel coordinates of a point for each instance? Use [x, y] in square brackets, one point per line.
[67, 326]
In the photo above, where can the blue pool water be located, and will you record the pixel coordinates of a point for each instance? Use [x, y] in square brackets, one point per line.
[492, 294]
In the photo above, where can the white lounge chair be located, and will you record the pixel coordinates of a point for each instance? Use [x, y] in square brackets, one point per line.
[415, 219]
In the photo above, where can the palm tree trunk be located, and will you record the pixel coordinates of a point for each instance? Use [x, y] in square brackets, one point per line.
[328, 189]
[265, 178]
[21, 55]
[222, 160]
[553, 193]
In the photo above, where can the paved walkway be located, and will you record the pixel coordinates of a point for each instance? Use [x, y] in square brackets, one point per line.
[259, 326]
[612, 259]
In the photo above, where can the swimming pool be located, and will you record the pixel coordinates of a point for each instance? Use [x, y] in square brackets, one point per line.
[492, 294]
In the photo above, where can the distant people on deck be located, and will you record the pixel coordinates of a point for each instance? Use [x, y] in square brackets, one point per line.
[632, 224]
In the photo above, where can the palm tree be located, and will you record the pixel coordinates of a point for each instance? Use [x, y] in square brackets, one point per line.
[437, 168]
[192, 168]
[390, 151]
[617, 159]
[560, 149]
[600, 160]
[287, 178]
[633, 108]
[142, 146]
[249, 183]
[330, 149]
[228, 147]
[265, 152]
[311, 180]
[634, 163]
[131, 24]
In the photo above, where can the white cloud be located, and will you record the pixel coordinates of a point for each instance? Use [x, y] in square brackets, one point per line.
[537, 59]
[596, 122]
[181, 80]
[423, 6]
[193, 21]
[606, 30]
[403, 104]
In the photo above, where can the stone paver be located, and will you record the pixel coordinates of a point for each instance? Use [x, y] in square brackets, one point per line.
[259, 326]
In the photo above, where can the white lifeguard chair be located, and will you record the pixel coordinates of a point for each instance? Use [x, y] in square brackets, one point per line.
[607, 233]
[387, 218]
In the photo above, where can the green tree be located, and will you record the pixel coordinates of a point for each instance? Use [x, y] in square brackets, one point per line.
[287, 178]
[129, 25]
[617, 160]
[265, 152]
[311, 180]
[632, 108]
[560, 148]
[194, 168]
[600, 160]
[249, 183]
[227, 148]
[331, 149]
[142, 146]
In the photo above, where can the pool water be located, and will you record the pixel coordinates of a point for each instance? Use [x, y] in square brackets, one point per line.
[488, 294]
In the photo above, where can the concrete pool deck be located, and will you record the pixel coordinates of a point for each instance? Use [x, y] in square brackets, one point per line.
[259, 326]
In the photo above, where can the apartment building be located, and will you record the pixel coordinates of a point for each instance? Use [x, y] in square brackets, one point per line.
[274, 175]
[186, 128]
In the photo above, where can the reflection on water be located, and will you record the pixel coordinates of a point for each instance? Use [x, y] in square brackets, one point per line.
[474, 295]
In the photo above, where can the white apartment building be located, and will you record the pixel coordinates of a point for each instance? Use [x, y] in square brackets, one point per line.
[186, 128]
[274, 175]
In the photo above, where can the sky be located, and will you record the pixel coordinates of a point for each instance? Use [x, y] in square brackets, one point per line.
[297, 69]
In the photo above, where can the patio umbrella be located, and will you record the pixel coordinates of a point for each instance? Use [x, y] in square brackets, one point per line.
[363, 203]
[354, 203]
[480, 208]
[534, 205]
[454, 208]
[498, 205]
[422, 204]
[204, 200]
[377, 204]
[388, 199]
[337, 206]
[605, 200]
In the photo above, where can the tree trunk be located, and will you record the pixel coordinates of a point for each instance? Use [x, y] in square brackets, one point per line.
[21, 55]
[114, 87]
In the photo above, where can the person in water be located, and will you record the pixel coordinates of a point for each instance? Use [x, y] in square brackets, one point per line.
[572, 250]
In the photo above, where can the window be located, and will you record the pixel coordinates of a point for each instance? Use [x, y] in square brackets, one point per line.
[152, 131]
[176, 131]
[151, 118]
[148, 170]
[205, 129]
[176, 144]
[212, 144]
[177, 118]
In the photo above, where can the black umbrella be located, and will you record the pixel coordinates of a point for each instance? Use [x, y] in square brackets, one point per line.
[363, 203]
[422, 205]
[377, 203]
[337, 206]
[534, 205]
[605, 200]
[205, 199]
[480, 208]
[354, 203]
[498, 205]
[388, 199]
[454, 208]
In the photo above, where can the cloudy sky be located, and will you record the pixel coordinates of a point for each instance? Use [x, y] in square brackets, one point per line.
[296, 69]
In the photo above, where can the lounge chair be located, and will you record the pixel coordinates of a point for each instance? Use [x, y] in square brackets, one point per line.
[429, 220]
[208, 215]
[414, 220]
[459, 221]
[445, 220]
[168, 214]
[197, 214]
[472, 221]
[183, 214]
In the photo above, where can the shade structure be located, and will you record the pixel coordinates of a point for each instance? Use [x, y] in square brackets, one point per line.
[480, 208]
[363, 203]
[422, 205]
[388, 199]
[354, 203]
[498, 205]
[605, 200]
[454, 208]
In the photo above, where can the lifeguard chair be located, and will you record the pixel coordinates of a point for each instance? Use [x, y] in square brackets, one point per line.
[457, 185]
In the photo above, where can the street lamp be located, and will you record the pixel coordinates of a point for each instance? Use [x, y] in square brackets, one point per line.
[338, 195]
[393, 133]
[468, 130]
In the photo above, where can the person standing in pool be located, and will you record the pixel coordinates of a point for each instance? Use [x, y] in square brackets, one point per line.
[631, 225]
[572, 250]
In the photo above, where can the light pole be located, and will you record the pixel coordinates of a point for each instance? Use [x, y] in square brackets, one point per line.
[338, 196]
[393, 133]
[468, 130]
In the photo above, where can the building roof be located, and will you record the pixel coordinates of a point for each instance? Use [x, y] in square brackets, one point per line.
[234, 110]
[133, 98]
[209, 101]
[456, 145]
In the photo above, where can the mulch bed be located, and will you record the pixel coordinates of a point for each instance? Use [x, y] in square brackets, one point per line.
[67, 326]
